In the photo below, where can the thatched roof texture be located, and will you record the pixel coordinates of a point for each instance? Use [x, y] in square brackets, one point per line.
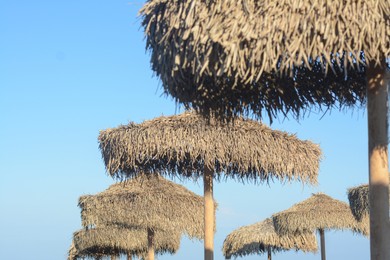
[147, 201]
[236, 56]
[185, 144]
[359, 202]
[320, 211]
[100, 242]
[261, 237]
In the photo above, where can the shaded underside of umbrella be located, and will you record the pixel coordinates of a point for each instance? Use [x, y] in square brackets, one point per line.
[261, 238]
[320, 211]
[183, 145]
[148, 201]
[236, 56]
[359, 202]
[100, 242]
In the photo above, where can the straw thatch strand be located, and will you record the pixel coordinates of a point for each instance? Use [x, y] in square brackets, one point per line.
[359, 202]
[147, 201]
[318, 212]
[100, 242]
[261, 237]
[236, 56]
[184, 144]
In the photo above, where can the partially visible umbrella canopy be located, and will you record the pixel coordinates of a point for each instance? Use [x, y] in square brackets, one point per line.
[320, 211]
[261, 238]
[235, 56]
[147, 201]
[100, 242]
[359, 202]
[185, 144]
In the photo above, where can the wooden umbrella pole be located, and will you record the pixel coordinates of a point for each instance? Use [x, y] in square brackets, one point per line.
[208, 214]
[269, 253]
[377, 110]
[150, 244]
[113, 257]
[129, 257]
[322, 238]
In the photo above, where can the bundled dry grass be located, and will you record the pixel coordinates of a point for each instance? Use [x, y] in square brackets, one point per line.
[235, 56]
[261, 237]
[100, 242]
[184, 144]
[147, 201]
[359, 202]
[318, 212]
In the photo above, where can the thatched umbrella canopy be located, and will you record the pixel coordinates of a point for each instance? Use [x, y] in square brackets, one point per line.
[319, 212]
[261, 237]
[235, 56]
[231, 57]
[358, 202]
[147, 201]
[106, 241]
[189, 145]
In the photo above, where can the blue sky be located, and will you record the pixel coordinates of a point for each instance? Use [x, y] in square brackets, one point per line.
[69, 69]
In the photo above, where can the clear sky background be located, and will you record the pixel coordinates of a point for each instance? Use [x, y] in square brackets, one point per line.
[69, 69]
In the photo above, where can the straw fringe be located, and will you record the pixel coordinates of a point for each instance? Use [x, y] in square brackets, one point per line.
[101, 242]
[236, 56]
[261, 236]
[146, 201]
[320, 211]
[359, 202]
[182, 145]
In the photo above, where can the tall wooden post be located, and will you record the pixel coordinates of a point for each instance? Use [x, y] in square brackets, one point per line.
[208, 214]
[150, 244]
[269, 253]
[129, 257]
[377, 111]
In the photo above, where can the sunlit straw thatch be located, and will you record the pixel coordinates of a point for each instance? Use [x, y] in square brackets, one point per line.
[235, 56]
[261, 238]
[359, 202]
[99, 242]
[320, 211]
[146, 201]
[192, 146]
[184, 144]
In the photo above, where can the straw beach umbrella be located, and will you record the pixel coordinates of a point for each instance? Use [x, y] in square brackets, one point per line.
[261, 237]
[358, 202]
[191, 146]
[230, 57]
[146, 201]
[106, 241]
[319, 212]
